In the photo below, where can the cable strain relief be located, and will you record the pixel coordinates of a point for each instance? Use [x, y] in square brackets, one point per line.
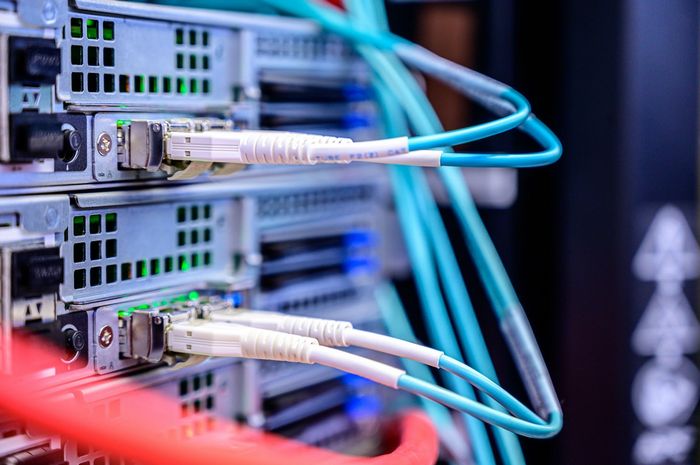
[283, 148]
[273, 345]
[326, 332]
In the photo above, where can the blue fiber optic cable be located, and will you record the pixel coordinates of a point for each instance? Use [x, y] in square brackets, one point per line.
[428, 288]
[473, 341]
[435, 313]
[491, 93]
[467, 323]
[515, 326]
[394, 316]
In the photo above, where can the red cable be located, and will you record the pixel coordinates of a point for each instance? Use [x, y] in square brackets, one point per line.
[140, 432]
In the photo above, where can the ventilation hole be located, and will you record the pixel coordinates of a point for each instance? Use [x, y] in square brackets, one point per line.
[183, 387]
[108, 30]
[184, 411]
[205, 38]
[139, 84]
[193, 61]
[77, 82]
[124, 83]
[207, 211]
[205, 86]
[196, 383]
[76, 55]
[76, 28]
[210, 403]
[179, 61]
[111, 274]
[152, 84]
[110, 222]
[179, 36]
[181, 238]
[126, 271]
[155, 266]
[95, 224]
[108, 56]
[141, 269]
[79, 277]
[207, 235]
[197, 404]
[93, 56]
[205, 62]
[92, 29]
[109, 86]
[111, 248]
[181, 214]
[207, 258]
[167, 85]
[195, 260]
[79, 252]
[95, 250]
[181, 86]
[79, 226]
[193, 86]
[193, 37]
[93, 82]
[95, 276]
[194, 237]
[209, 379]
[194, 213]
[168, 264]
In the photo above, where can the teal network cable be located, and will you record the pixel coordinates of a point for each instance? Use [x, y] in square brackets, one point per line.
[488, 92]
[464, 315]
[515, 326]
[473, 342]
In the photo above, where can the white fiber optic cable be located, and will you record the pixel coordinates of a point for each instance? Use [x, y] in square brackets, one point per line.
[223, 339]
[217, 339]
[331, 333]
[336, 333]
[291, 148]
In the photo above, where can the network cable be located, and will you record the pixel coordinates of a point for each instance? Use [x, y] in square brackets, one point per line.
[499, 289]
[217, 339]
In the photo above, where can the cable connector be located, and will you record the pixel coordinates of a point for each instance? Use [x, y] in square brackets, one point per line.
[331, 333]
[228, 340]
[290, 148]
[326, 332]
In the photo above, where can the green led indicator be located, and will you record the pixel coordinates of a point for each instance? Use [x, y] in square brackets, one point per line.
[108, 30]
[194, 295]
[76, 28]
[92, 32]
[181, 86]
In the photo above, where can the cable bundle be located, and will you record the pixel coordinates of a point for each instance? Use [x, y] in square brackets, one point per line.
[432, 256]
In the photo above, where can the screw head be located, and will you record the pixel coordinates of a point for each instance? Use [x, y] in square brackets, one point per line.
[104, 144]
[155, 127]
[106, 337]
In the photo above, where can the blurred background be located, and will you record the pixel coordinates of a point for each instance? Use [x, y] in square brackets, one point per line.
[601, 246]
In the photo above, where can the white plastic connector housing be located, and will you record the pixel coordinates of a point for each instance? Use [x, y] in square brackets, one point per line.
[228, 340]
[216, 339]
[289, 148]
[331, 333]
[326, 332]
